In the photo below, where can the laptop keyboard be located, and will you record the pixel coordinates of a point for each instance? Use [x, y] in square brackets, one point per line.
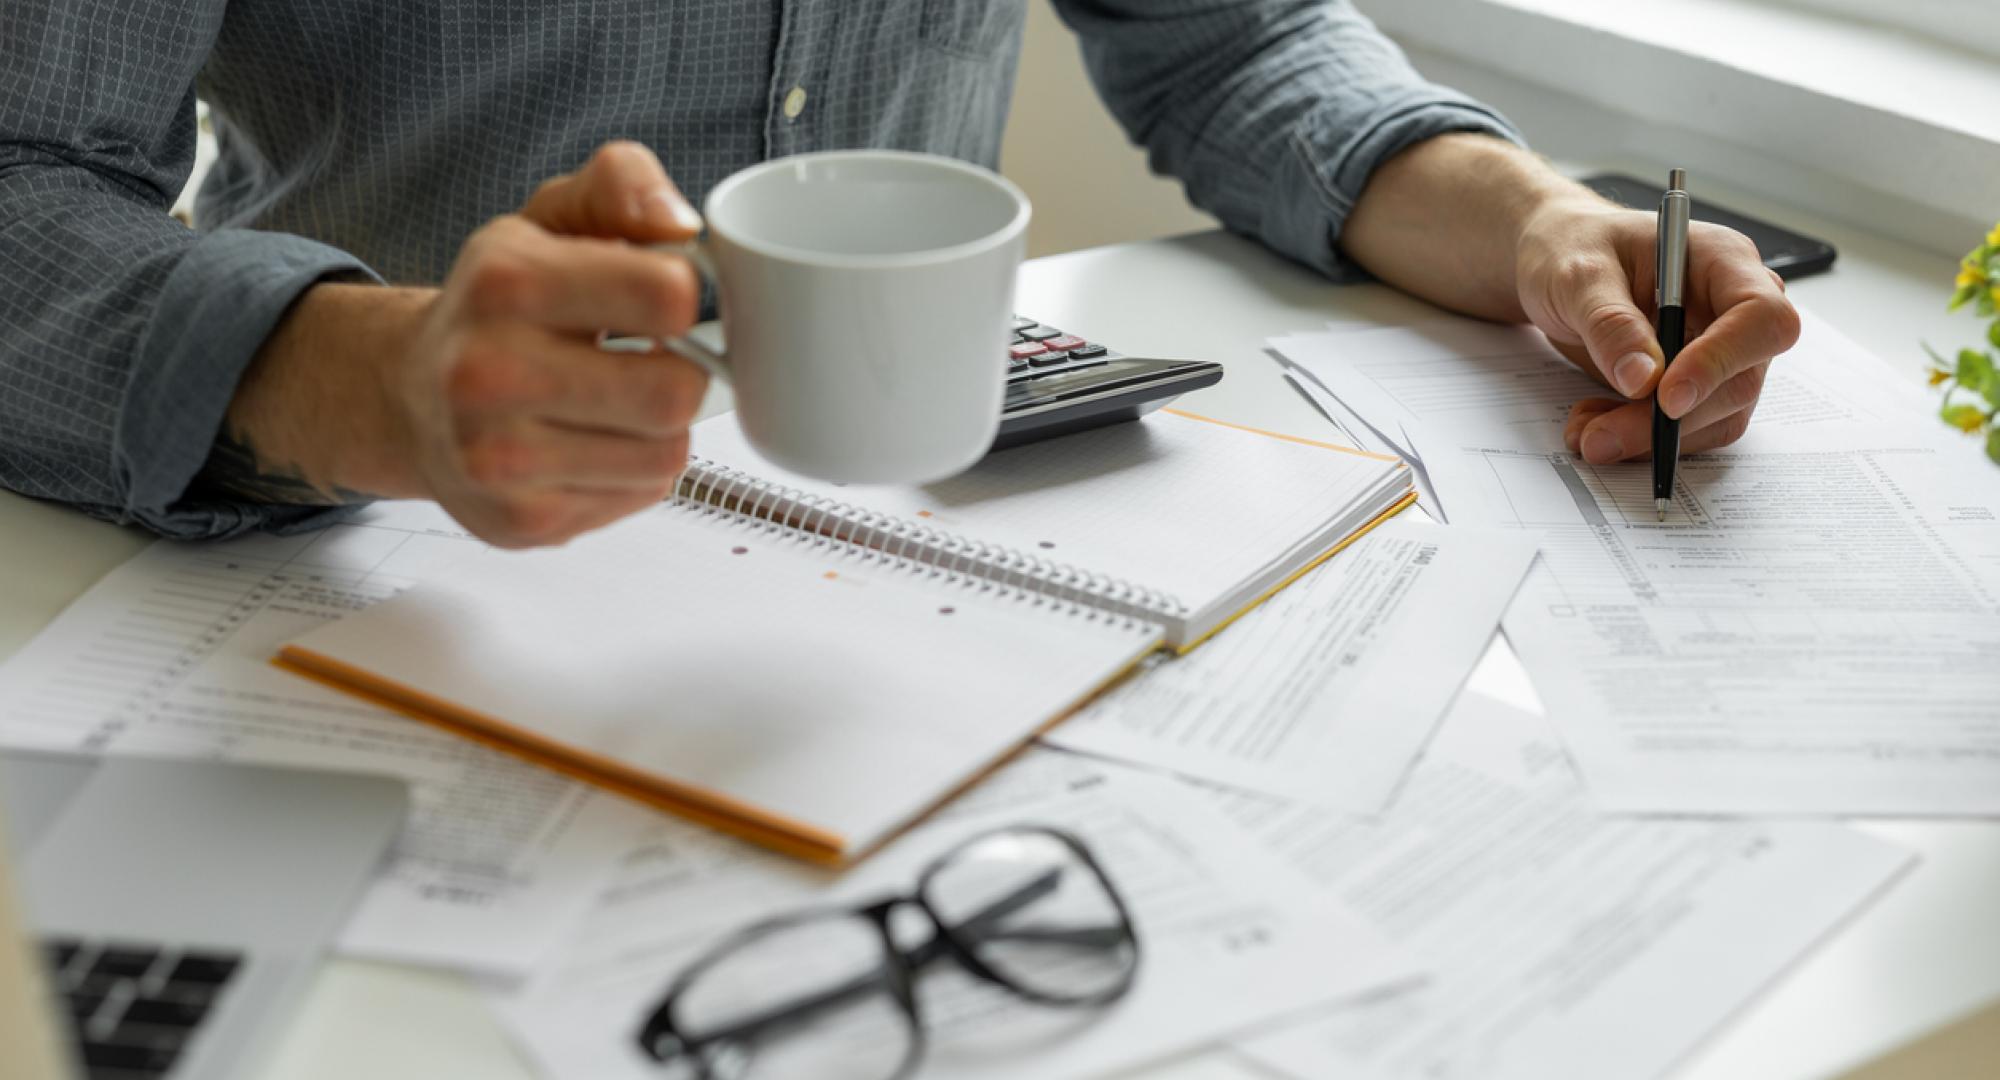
[1035, 349]
[135, 1006]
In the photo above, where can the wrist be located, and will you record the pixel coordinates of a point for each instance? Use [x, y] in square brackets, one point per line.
[1545, 216]
[319, 403]
[1450, 219]
[370, 440]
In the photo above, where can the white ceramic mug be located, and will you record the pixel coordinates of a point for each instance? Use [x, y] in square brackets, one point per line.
[866, 296]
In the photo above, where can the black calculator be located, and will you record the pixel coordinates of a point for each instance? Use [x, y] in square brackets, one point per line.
[1058, 383]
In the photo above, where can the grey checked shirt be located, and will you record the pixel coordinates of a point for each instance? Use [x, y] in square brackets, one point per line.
[365, 138]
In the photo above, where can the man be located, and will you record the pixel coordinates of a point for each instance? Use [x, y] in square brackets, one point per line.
[367, 314]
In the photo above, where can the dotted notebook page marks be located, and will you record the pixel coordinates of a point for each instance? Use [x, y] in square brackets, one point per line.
[1181, 505]
[700, 649]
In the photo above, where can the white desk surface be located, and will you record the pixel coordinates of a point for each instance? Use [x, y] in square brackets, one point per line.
[1925, 955]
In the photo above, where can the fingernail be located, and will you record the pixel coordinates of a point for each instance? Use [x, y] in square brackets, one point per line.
[669, 210]
[1601, 446]
[1631, 373]
[1572, 439]
[1677, 399]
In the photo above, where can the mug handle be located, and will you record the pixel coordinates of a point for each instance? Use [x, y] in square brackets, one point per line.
[713, 361]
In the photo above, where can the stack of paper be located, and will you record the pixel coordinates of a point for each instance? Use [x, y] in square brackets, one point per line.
[1810, 631]
[1322, 887]
[1561, 943]
[1327, 693]
[170, 655]
[1228, 936]
[1490, 925]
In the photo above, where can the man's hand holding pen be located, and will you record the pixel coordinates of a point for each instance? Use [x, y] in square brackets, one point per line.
[1580, 283]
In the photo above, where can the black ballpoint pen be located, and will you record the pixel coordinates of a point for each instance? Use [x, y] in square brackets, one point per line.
[1671, 263]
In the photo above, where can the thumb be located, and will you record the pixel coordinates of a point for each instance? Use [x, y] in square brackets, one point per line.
[1619, 338]
[622, 193]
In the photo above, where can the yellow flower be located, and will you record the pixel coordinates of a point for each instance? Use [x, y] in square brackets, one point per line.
[1993, 238]
[1971, 275]
[1996, 296]
[1939, 375]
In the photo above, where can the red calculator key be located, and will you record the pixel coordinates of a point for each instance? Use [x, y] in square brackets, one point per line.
[1025, 350]
[1065, 342]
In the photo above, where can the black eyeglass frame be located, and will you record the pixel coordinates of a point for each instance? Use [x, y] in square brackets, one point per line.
[901, 966]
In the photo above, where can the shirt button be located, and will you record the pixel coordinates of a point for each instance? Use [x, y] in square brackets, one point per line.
[795, 102]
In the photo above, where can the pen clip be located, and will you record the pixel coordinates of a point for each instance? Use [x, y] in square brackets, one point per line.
[1660, 257]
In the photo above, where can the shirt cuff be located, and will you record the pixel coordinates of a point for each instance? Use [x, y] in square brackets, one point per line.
[1329, 163]
[217, 307]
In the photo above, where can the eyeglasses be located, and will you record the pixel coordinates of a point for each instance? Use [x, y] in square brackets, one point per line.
[828, 994]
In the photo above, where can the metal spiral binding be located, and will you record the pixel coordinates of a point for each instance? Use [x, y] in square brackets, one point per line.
[873, 536]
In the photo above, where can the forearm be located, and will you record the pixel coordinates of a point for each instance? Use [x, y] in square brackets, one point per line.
[1272, 113]
[313, 420]
[1444, 220]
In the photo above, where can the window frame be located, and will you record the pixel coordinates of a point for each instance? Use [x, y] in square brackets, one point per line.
[1953, 23]
[1880, 113]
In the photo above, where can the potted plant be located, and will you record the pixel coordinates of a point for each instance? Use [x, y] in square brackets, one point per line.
[1972, 384]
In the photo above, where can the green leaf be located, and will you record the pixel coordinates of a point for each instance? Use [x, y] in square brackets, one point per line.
[1962, 297]
[1975, 370]
[1966, 418]
[1993, 333]
[1993, 445]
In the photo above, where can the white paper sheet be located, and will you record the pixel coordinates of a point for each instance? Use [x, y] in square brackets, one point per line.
[1811, 631]
[1562, 944]
[1225, 940]
[167, 656]
[1326, 692]
[1353, 428]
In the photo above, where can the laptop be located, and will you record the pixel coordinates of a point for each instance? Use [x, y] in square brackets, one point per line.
[158, 919]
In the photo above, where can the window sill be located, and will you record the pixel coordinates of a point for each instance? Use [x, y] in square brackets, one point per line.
[1895, 114]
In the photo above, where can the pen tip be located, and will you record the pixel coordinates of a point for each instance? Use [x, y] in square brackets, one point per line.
[1660, 509]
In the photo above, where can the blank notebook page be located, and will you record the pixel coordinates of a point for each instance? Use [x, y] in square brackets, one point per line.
[1179, 504]
[827, 689]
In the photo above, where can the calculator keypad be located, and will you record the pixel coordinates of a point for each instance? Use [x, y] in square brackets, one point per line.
[1035, 349]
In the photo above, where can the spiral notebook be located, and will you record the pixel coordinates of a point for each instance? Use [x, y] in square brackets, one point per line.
[814, 667]
[1178, 519]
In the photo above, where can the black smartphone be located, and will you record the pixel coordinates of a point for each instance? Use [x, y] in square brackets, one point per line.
[1791, 254]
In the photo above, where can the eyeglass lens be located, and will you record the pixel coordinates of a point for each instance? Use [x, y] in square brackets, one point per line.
[1030, 908]
[813, 1000]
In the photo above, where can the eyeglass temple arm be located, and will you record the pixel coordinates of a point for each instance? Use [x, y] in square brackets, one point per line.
[978, 926]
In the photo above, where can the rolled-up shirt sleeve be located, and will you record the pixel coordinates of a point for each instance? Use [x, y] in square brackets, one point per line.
[1272, 113]
[122, 332]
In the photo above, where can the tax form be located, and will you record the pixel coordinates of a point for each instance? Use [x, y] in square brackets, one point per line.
[1326, 692]
[167, 656]
[1561, 943]
[1814, 628]
[1229, 937]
